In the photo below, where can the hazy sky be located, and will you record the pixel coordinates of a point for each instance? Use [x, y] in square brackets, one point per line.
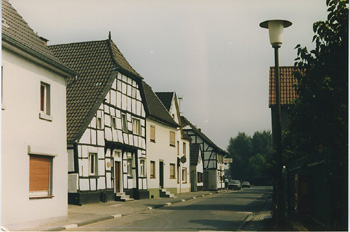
[211, 52]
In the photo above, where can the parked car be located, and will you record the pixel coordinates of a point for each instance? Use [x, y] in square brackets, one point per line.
[234, 185]
[245, 184]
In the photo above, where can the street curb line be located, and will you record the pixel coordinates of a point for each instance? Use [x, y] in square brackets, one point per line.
[245, 221]
[119, 215]
[71, 226]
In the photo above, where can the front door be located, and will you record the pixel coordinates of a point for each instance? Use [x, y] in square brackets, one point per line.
[161, 174]
[117, 176]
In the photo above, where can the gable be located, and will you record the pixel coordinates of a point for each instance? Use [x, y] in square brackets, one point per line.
[18, 36]
[97, 63]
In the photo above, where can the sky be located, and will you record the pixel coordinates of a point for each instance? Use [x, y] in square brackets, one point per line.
[212, 53]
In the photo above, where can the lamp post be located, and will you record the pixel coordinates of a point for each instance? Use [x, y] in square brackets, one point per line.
[275, 32]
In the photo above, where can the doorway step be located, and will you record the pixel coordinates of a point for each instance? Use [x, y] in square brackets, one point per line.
[165, 193]
[123, 197]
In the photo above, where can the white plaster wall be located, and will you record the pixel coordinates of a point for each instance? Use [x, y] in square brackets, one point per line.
[21, 127]
[160, 150]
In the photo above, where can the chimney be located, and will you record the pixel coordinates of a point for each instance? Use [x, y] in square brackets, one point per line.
[44, 40]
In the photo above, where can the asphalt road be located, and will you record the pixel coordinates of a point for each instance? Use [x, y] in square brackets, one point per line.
[223, 212]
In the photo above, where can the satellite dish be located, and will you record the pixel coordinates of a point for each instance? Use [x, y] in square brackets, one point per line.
[183, 159]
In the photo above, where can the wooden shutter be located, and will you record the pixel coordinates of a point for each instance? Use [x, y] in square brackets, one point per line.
[172, 138]
[39, 173]
[153, 134]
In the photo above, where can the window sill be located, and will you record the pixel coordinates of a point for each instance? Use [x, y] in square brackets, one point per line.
[41, 197]
[172, 178]
[171, 145]
[152, 177]
[45, 116]
[153, 141]
[3, 106]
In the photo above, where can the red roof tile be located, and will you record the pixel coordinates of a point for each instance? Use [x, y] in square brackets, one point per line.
[288, 82]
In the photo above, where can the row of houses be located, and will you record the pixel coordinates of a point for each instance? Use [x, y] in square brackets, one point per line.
[80, 125]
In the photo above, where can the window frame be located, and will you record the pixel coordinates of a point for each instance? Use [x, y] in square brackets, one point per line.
[136, 126]
[93, 164]
[184, 175]
[172, 171]
[142, 167]
[172, 138]
[152, 172]
[34, 176]
[113, 122]
[45, 101]
[124, 123]
[184, 150]
[129, 167]
[152, 133]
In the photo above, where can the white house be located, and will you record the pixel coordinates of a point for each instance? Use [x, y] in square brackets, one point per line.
[106, 124]
[196, 167]
[161, 131]
[33, 125]
[213, 177]
[169, 100]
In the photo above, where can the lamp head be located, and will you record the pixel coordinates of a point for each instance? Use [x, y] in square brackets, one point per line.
[275, 27]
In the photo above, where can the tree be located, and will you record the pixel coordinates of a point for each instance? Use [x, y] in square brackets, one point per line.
[252, 157]
[319, 120]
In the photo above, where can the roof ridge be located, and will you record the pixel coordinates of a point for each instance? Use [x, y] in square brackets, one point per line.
[72, 43]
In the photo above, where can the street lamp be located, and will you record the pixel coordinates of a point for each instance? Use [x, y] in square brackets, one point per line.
[275, 32]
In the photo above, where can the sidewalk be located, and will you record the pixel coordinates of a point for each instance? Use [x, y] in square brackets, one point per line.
[90, 213]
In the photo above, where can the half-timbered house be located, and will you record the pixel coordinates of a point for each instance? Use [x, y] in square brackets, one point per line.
[196, 166]
[33, 125]
[213, 177]
[182, 145]
[161, 130]
[105, 124]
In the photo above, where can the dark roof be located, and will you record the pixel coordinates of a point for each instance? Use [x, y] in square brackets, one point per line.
[17, 32]
[287, 82]
[166, 98]
[185, 122]
[94, 61]
[194, 151]
[155, 108]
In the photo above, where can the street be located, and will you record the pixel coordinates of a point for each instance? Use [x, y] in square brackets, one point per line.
[225, 212]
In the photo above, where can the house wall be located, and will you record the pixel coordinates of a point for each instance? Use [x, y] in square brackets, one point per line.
[211, 166]
[184, 186]
[157, 151]
[123, 99]
[23, 130]
[199, 168]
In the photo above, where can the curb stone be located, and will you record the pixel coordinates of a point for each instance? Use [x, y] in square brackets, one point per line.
[249, 216]
[61, 228]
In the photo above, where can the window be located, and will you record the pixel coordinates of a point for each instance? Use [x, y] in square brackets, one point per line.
[45, 98]
[40, 176]
[172, 138]
[153, 134]
[129, 167]
[172, 171]
[153, 169]
[142, 168]
[178, 174]
[93, 164]
[184, 148]
[184, 175]
[99, 123]
[199, 177]
[113, 122]
[178, 147]
[136, 126]
[124, 123]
